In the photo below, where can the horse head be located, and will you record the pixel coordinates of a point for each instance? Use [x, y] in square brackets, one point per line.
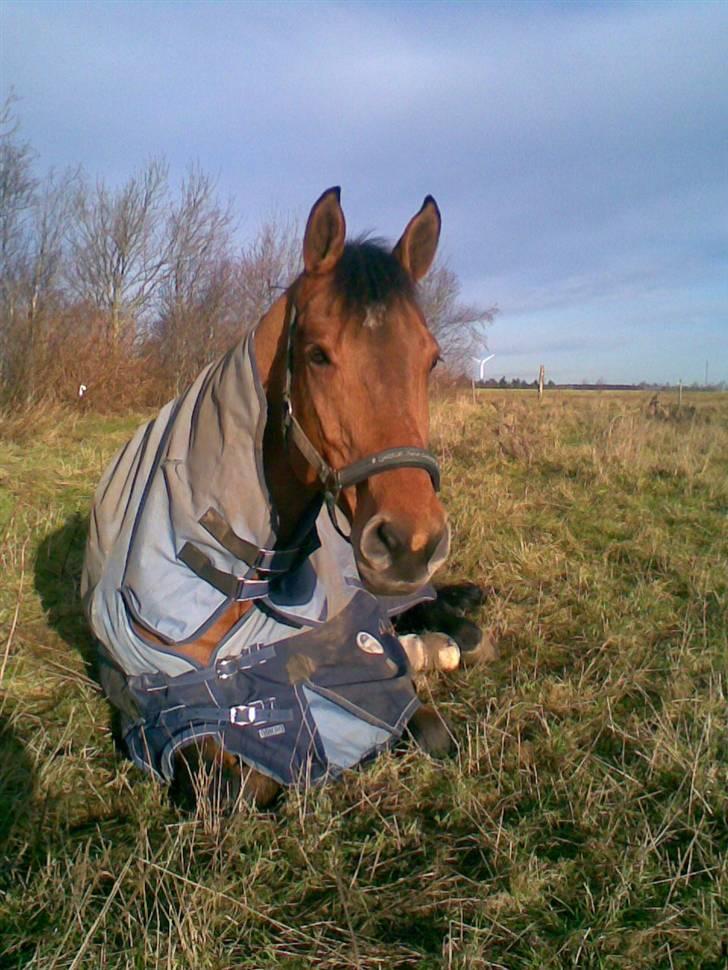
[359, 357]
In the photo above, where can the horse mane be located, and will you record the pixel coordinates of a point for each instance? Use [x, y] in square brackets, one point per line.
[368, 274]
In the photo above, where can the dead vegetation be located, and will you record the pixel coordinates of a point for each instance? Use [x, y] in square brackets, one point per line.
[116, 297]
[583, 820]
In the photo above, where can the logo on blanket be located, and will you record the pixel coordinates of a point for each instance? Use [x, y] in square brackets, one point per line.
[369, 644]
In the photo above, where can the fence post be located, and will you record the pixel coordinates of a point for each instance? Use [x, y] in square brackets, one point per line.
[540, 381]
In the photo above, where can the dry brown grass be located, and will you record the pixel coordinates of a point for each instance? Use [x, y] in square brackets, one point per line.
[582, 822]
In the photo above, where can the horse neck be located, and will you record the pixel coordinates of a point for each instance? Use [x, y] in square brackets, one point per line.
[289, 495]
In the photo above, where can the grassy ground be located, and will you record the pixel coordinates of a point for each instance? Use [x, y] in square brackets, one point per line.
[583, 822]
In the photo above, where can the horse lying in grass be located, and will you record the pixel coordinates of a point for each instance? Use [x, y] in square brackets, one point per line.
[250, 546]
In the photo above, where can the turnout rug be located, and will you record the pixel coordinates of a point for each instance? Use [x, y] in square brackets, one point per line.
[312, 680]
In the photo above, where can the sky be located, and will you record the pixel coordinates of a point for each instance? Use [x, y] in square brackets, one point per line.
[578, 151]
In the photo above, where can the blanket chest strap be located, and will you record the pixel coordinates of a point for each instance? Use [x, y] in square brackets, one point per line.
[231, 586]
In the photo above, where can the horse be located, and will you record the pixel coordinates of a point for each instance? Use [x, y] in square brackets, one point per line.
[311, 432]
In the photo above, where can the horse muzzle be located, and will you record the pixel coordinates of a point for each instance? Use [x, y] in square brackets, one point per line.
[393, 560]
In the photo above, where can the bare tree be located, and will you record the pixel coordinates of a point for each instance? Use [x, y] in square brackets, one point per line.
[118, 258]
[459, 327]
[209, 298]
[33, 215]
[17, 193]
[119, 287]
[267, 265]
[39, 282]
[195, 293]
[51, 214]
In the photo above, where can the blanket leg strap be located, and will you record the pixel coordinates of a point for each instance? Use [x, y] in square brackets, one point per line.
[259, 712]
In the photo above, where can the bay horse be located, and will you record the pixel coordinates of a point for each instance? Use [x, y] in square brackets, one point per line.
[341, 362]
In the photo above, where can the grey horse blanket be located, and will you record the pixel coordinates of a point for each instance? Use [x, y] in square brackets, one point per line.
[312, 679]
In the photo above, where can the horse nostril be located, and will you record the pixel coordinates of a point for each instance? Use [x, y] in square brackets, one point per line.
[386, 544]
[387, 535]
[381, 543]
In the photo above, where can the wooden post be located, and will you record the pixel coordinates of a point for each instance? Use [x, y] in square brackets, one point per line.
[540, 381]
[679, 395]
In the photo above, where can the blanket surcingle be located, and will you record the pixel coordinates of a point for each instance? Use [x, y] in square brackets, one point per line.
[312, 680]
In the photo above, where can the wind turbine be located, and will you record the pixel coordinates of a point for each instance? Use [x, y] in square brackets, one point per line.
[483, 361]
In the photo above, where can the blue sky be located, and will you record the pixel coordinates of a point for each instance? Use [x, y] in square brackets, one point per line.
[578, 151]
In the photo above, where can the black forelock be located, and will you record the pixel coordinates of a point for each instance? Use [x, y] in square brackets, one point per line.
[368, 273]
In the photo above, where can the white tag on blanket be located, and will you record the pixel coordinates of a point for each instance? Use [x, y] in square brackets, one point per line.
[368, 643]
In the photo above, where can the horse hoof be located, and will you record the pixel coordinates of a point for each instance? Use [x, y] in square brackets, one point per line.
[483, 650]
[466, 634]
[431, 732]
[445, 651]
[431, 651]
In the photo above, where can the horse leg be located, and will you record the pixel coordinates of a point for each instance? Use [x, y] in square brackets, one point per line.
[460, 640]
[204, 772]
[447, 616]
[429, 729]
[258, 789]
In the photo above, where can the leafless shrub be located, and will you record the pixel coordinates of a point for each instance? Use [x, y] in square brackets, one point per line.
[118, 256]
[670, 411]
[33, 219]
[131, 291]
[17, 192]
[459, 327]
[195, 305]
[82, 369]
[266, 266]
[18, 187]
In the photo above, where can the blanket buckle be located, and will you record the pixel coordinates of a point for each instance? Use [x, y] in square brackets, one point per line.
[227, 667]
[243, 714]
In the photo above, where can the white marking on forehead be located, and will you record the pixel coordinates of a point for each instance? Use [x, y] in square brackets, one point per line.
[375, 317]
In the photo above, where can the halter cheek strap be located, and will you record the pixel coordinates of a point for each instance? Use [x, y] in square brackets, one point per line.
[334, 480]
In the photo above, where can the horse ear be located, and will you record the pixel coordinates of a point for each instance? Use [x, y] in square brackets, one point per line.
[416, 249]
[323, 241]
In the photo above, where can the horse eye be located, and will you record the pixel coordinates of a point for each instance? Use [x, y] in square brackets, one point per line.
[318, 356]
[435, 362]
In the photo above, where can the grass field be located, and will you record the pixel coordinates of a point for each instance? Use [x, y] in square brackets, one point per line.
[584, 820]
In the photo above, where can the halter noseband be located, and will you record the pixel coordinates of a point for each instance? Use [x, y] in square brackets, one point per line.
[334, 480]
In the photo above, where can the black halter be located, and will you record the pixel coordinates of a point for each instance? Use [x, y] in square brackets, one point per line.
[334, 480]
